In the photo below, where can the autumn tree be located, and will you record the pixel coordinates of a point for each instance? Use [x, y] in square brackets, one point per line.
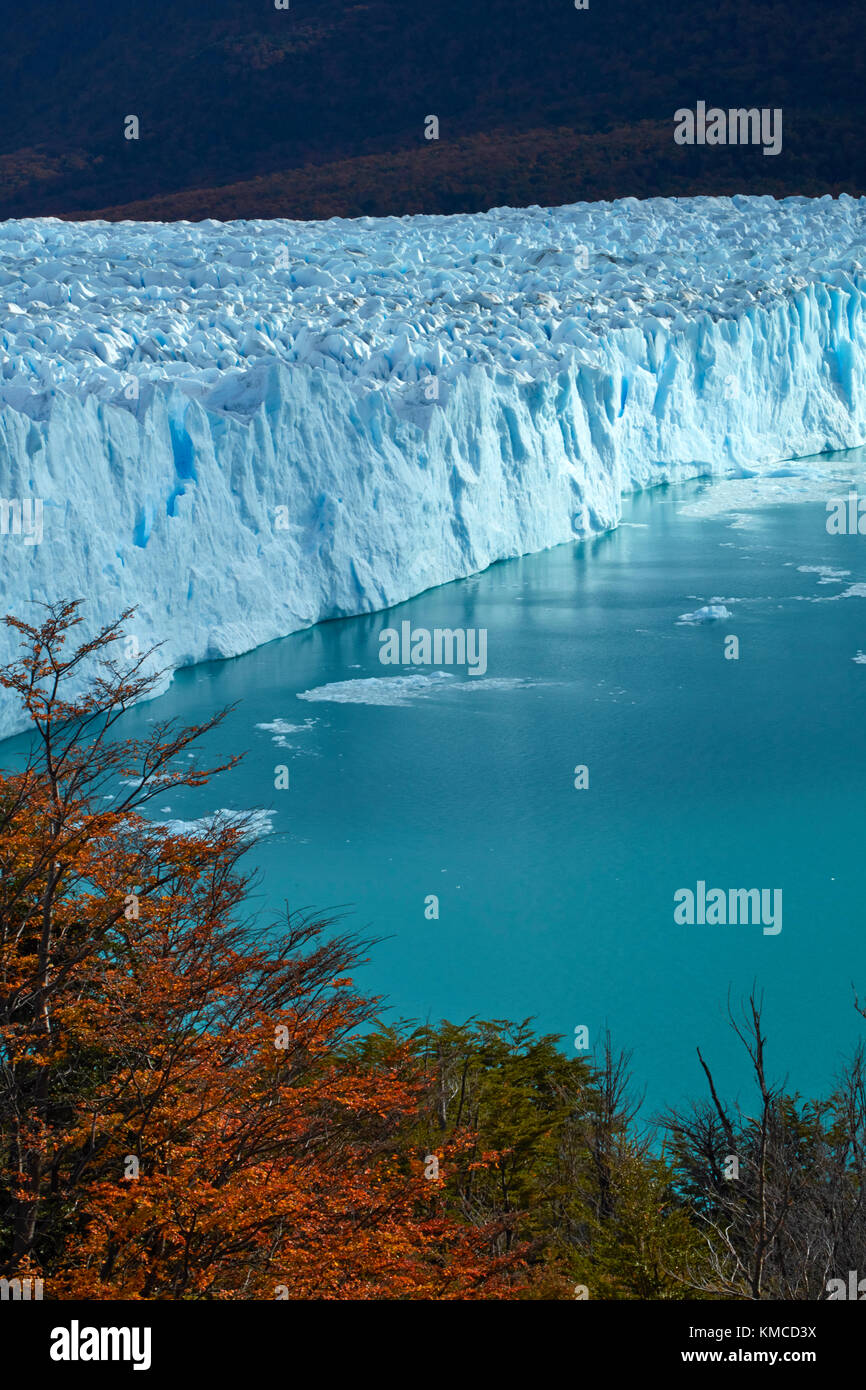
[179, 1114]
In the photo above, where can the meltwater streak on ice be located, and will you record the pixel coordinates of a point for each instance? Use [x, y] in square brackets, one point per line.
[554, 902]
[244, 428]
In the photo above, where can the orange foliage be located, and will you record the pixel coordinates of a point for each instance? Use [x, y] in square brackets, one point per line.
[178, 1116]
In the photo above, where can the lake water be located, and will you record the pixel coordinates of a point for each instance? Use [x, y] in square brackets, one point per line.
[558, 903]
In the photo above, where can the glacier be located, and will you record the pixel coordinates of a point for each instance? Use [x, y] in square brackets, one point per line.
[244, 428]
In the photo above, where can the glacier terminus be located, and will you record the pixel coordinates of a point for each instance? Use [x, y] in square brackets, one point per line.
[245, 428]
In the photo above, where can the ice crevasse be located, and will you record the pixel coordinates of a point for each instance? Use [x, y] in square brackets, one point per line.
[244, 428]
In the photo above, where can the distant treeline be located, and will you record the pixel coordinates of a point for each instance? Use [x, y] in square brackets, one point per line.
[319, 109]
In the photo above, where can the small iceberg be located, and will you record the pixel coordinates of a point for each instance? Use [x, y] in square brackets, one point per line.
[710, 613]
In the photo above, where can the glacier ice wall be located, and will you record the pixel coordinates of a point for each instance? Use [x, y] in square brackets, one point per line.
[245, 428]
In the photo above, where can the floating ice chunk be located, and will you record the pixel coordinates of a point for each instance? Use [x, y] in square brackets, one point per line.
[853, 591]
[710, 613]
[403, 690]
[253, 823]
[282, 726]
[378, 690]
[828, 574]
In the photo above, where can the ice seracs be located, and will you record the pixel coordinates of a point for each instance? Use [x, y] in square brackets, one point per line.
[244, 428]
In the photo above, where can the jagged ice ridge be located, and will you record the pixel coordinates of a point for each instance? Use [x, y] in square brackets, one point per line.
[421, 396]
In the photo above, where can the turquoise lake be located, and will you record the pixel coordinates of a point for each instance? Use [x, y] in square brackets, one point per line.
[554, 902]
